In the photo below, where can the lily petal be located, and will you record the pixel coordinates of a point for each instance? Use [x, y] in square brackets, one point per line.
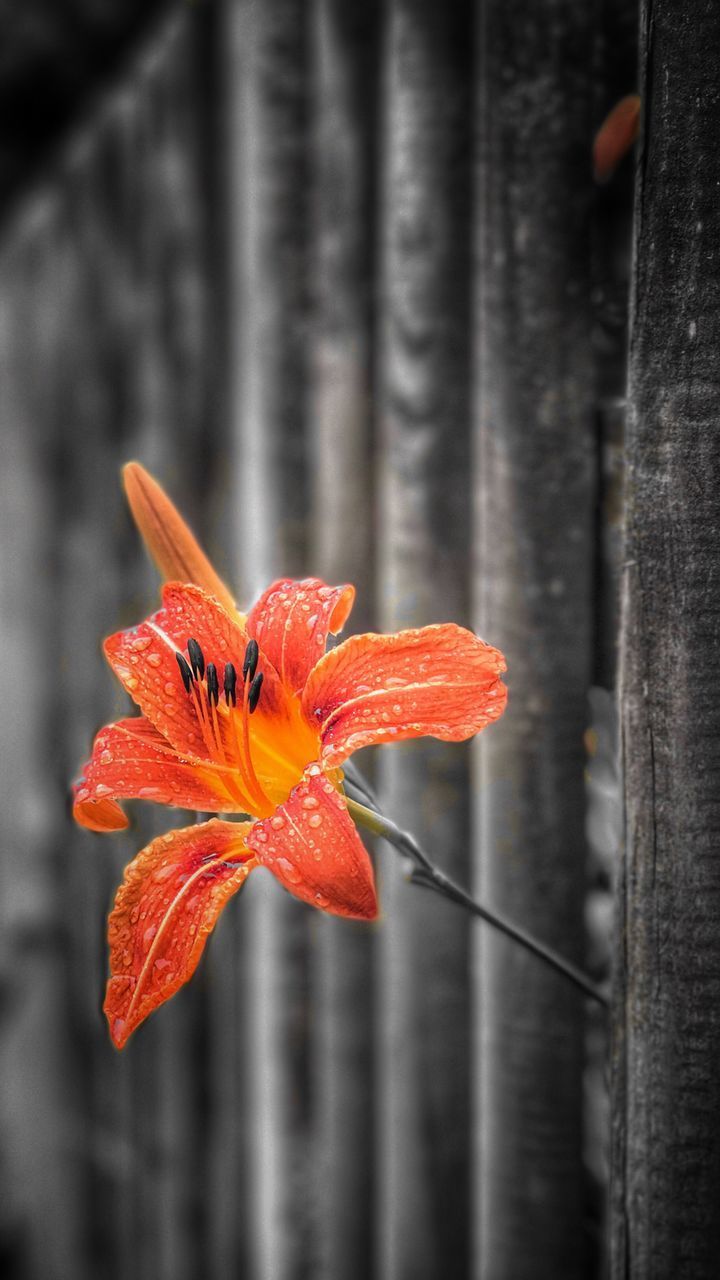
[311, 844]
[132, 760]
[170, 900]
[291, 622]
[171, 545]
[143, 658]
[440, 680]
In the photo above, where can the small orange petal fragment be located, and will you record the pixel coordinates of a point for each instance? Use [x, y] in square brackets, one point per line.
[616, 136]
[171, 545]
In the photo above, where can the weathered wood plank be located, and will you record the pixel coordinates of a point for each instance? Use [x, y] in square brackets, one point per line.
[666, 1164]
[536, 460]
[342, 480]
[423, 576]
[265, 71]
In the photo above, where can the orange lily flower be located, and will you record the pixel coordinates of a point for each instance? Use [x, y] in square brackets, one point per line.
[250, 716]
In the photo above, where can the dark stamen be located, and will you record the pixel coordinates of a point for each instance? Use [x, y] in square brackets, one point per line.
[252, 653]
[254, 694]
[197, 661]
[230, 682]
[185, 672]
[212, 682]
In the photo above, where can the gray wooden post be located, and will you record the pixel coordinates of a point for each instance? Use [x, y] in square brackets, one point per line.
[535, 488]
[424, 488]
[341, 475]
[666, 1122]
[266, 46]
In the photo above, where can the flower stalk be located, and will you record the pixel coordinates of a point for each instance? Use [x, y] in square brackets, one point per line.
[424, 873]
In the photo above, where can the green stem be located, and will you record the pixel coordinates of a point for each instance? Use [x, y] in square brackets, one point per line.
[430, 877]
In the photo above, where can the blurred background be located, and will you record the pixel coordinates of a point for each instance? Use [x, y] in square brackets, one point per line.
[339, 275]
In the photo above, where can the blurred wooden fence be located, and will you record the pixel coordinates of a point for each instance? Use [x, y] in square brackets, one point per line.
[339, 275]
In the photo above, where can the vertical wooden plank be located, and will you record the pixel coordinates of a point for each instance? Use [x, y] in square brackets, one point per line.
[42, 1201]
[536, 455]
[341, 438]
[612, 244]
[114, 316]
[265, 75]
[424, 577]
[666, 1161]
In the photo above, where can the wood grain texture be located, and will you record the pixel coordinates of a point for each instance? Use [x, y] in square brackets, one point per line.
[666, 1166]
[424, 490]
[341, 436]
[535, 493]
[265, 70]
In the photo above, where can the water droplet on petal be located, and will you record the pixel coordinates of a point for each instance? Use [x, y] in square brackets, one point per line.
[310, 802]
[162, 873]
[149, 934]
[131, 683]
[141, 643]
[102, 790]
[106, 757]
[288, 870]
[277, 822]
[315, 819]
[321, 900]
[162, 964]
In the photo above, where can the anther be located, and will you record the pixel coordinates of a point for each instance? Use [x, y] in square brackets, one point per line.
[229, 683]
[254, 693]
[185, 672]
[212, 682]
[197, 661]
[252, 653]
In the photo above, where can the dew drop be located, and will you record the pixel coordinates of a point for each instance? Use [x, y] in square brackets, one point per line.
[261, 836]
[106, 757]
[318, 855]
[131, 682]
[149, 934]
[314, 770]
[162, 873]
[82, 794]
[141, 643]
[102, 790]
[170, 688]
[315, 820]
[118, 1028]
[321, 900]
[277, 822]
[154, 659]
[169, 708]
[310, 802]
[148, 791]
[162, 964]
[289, 871]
